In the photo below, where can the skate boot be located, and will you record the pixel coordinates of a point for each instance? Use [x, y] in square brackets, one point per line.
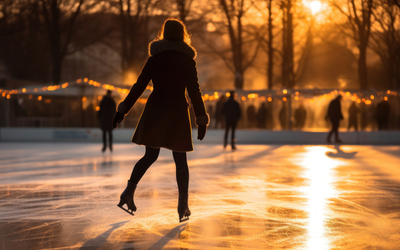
[127, 198]
[183, 208]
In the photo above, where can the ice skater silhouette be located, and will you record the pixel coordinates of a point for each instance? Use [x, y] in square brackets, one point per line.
[300, 115]
[231, 111]
[106, 115]
[353, 111]
[383, 114]
[335, 115]
[165, 120]
[262, 115]
[218, 117]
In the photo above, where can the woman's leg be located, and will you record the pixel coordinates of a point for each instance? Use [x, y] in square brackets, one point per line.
[182, 171]
[143, 164]
[140, 168]
[182, 177]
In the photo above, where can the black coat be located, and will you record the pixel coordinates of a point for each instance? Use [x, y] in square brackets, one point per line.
[231, 110]
[107, 112]
[165, 120]
[335, 110]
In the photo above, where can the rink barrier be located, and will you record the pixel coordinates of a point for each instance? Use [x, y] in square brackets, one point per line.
[213, 136]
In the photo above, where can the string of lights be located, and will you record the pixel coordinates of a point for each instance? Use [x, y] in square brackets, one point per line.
[295, 94]
[283, 94]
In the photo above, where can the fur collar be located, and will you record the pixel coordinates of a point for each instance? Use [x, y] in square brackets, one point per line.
[156, 47]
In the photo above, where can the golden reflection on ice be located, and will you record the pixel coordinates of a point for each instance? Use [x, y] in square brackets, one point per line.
[320, 173]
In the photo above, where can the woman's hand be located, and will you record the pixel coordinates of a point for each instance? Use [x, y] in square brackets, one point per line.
[201, 132]
[118, 118]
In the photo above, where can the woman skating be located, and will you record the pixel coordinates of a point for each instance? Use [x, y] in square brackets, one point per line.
[165, 121]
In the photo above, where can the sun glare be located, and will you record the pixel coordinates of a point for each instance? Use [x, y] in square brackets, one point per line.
[315, 7]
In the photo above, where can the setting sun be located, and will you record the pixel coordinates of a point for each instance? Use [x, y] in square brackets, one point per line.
[315, 7]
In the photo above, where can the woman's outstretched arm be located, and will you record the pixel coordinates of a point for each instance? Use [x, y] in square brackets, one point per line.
[193, 88]
[138, 88]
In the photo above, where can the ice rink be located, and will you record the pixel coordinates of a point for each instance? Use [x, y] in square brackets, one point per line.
[65, 196]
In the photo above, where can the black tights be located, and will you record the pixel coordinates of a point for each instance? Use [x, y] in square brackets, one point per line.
[151, 155]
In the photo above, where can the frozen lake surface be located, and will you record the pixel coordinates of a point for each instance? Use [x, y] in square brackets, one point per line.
[65, 196]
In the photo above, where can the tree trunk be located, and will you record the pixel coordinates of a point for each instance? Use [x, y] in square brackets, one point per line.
[239, 81]
[362, 68]
[284, 48]
[290, 50]
[270, 66]
[55, 42]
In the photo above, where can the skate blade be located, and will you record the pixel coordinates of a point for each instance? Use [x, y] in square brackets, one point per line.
[183, 219]
[126, 210]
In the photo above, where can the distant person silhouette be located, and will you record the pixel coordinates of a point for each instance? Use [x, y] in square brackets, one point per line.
[210, 112]
[219, 117]
[231, 111]
[364, 116]
[383, 114]
[106, 115]
[270, 117]
[262, 116]
[334, 115]
[353, 121]
[283, 116]
[251, 116]
[165, 120]
[300, 115]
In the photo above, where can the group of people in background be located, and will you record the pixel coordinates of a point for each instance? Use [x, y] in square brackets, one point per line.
[228, 113]
[335, 115]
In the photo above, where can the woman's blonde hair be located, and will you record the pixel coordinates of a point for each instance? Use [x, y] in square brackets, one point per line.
[174, 30]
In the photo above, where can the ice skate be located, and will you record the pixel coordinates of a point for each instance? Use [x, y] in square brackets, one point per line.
[183, 208]
[127, 198]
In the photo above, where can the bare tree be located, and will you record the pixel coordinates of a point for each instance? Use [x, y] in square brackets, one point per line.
[58, 21]
[134, 27]
[270, 70]
[287, 44]
[183, 8]
[236, 57]
[358, 27]
[266, 36]
[386, 40]
[396, 2]
[296, 43]
[23, 45]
